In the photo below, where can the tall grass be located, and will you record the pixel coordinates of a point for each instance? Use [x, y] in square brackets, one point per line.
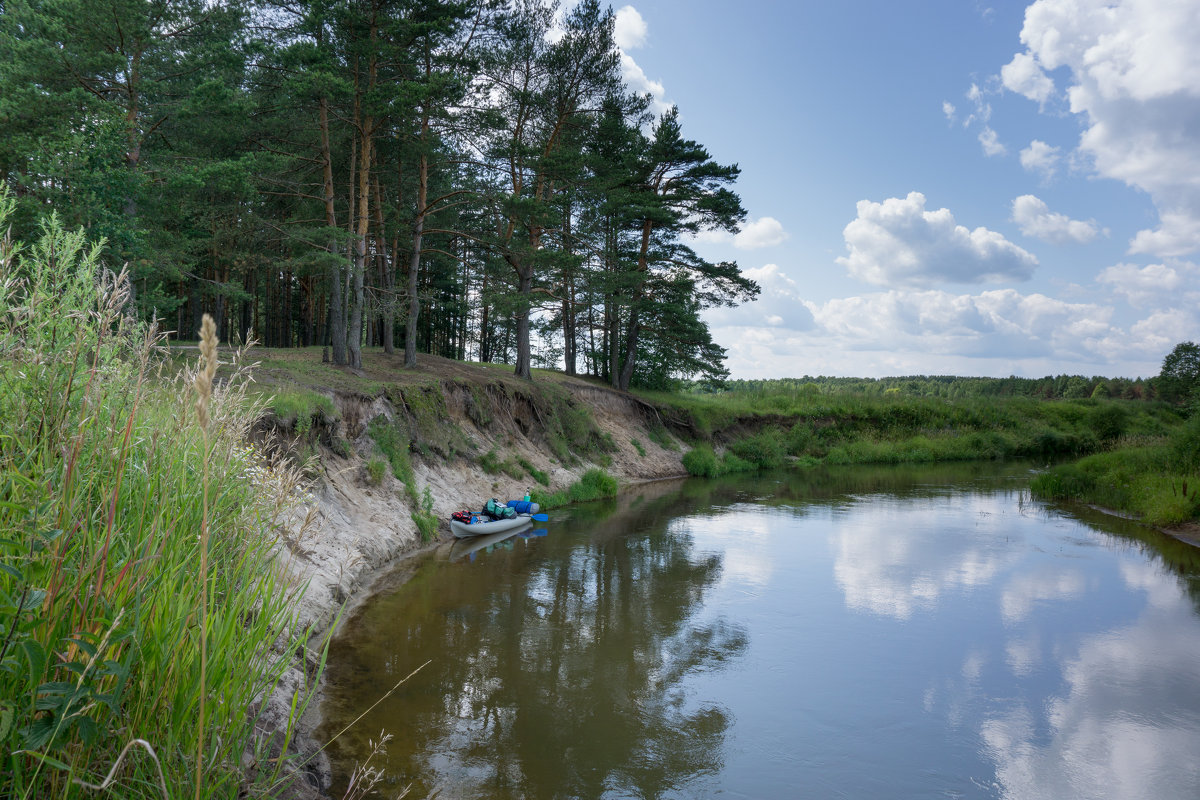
[1158, 483]
[105, 609]
[592, 485]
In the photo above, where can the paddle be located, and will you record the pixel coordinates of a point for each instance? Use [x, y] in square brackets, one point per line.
[539, 517]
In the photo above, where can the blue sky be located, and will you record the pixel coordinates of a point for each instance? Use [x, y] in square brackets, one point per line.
[944, 186]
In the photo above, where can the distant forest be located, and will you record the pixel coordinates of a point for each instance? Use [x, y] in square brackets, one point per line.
[1057, 387]
[471, 179]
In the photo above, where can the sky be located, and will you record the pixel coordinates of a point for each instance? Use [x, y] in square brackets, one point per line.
[943, 186]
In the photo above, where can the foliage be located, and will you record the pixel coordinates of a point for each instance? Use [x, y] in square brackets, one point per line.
[594, 484]
[1180, 376]
[102, 502]
[285, 177]
[701, 461]
[1159, 483]
[538, 475]
[301, 407]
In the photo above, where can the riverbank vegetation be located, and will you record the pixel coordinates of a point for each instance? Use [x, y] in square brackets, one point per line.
[759, 428]
[1157, 481]
[139, 604]
[1138, 456]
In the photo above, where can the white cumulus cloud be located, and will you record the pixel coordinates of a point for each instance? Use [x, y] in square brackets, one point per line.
[991, 143]
[755, 234]
[1035, 219]
[1134, 77]
[630, 32]
[1024, 75]
[1041, 158]
[899, 243]
[762, 232]
[1153, 285]
[630, 28]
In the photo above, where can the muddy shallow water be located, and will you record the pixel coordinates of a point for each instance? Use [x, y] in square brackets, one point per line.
[871, 632]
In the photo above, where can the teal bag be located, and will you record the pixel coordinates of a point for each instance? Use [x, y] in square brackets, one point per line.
[494, 509]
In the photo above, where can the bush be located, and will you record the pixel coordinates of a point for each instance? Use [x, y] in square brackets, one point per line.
[732, 463]
[764, 451]
[1185, 448]
[1108, 420]
[394, 444]
[701, 461]
[595, 484]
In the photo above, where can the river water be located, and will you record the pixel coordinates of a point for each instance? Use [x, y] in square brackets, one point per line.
[858, 633]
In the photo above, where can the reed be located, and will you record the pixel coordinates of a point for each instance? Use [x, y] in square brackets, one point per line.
[141, 615]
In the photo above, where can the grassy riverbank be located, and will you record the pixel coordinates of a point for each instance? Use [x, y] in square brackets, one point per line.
[761, 429]
[1158, 483]
[138, 597]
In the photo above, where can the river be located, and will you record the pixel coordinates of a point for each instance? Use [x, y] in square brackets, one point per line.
[862, 633]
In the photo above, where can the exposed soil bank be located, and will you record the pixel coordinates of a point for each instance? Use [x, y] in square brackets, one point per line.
[354, 530]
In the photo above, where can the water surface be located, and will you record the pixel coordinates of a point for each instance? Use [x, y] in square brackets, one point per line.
[844, 633]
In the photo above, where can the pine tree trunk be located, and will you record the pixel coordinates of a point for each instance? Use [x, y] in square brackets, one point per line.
[524, 291]
[414, 263]
[568, 301]
[387, 277]
[337, 306]
[635, 327]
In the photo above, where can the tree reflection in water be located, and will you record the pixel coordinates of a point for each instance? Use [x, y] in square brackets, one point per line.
[558, 669]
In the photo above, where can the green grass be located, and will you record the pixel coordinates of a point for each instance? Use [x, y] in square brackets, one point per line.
[1160, 484]
[300, 407]
[392, 440]
[107, 483]
[592, 485]
[538, 475]
[637, 445]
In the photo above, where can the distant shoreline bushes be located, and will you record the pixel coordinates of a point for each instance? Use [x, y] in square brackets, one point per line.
[848, 429]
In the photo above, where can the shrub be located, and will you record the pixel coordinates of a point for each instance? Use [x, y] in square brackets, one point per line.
[593, 485]
[701, 461]
[732, 463]
[1185, 448]
[1108, 420]
[490, 462]
[535, 473]
[394, 445]
[764, 451]
[376, 468]
[638, 446]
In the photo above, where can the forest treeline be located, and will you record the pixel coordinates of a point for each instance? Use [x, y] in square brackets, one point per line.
[471, 179]
[1051, 387]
